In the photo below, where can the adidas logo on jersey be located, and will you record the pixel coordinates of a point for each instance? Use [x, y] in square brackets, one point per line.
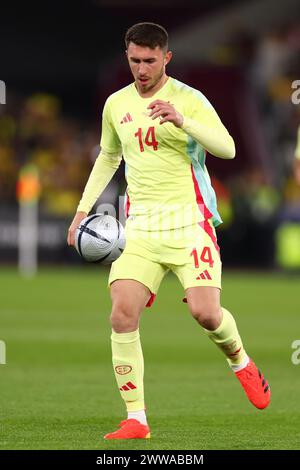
[204, 275]
[126, 118]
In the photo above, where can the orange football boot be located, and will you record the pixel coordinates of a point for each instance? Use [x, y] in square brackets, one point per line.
[255, 385]
[130, 429]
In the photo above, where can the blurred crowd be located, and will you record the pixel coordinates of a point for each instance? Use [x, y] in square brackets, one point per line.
[34, 130]
[265, 200]
[271, 65]
[277, 77]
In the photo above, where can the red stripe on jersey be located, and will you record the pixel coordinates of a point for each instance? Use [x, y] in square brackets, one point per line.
[205, 212]
[129, 117]
[124, 388]
[202, 207]
[208, 229]
[202, 276]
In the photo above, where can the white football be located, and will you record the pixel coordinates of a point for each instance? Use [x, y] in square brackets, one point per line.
[100, 238]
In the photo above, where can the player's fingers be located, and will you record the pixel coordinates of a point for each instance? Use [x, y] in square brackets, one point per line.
[152, 105]
[159, 115]
[155, 103]
[166, 118]
[156, 114]
[160, 112]
[155, 109]
[159, 106]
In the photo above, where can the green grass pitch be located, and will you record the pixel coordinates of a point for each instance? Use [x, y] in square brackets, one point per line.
[58, 390]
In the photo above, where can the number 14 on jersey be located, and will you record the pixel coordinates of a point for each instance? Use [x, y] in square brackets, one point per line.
[149, 139]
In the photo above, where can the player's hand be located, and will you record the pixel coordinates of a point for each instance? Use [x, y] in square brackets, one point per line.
[166, 112]
[79, 216]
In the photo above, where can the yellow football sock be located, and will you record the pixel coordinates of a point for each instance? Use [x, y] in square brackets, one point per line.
[128, 362]
[227, 338]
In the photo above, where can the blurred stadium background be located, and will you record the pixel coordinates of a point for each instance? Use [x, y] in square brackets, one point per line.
[59, 62]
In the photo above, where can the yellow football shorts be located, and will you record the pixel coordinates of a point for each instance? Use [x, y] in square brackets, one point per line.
[192, 253]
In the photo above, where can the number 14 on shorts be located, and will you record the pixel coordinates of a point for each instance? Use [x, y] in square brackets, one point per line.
[205, 256]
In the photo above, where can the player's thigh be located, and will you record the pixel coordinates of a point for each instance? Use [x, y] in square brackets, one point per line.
[129, 295]
[203, 301]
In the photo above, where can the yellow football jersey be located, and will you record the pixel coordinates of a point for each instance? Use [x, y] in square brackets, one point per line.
[168, 183]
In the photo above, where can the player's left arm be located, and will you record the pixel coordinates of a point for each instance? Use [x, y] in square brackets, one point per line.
[205, 127]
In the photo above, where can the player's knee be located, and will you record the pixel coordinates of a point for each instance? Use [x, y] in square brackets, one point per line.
[123, 318]
[207, 315]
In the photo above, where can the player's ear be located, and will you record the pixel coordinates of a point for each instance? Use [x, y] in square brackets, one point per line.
[168, 57]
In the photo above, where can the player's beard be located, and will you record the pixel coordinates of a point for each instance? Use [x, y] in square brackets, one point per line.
[155, 81]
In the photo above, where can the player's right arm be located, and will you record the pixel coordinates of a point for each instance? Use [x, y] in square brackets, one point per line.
[78, 217]
[104, 168]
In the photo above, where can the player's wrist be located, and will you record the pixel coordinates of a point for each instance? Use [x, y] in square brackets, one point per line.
[185, 122]
[179, 120]
[81, 213]
[79, 216]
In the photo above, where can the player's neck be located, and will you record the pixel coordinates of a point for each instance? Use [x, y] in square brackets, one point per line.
[155, 89]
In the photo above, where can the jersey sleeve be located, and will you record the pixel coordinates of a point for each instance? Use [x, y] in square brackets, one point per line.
[110, 142]
[203, 111]
[103, 170]
[203, 124]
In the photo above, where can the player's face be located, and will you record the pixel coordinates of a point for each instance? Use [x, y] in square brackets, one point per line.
[148, 66]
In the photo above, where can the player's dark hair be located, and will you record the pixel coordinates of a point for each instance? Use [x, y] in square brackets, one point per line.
[147, 35]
